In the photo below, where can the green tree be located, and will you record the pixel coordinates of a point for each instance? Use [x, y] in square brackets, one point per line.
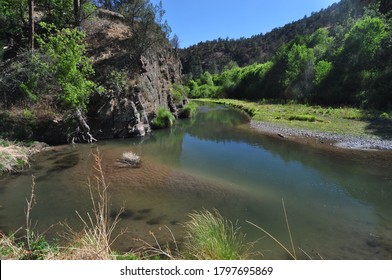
[364, 41]
[323, 68]
[62, 55]
[13, 24]
[146, 22]
[321, 42]
[65, 13]
[298, 60]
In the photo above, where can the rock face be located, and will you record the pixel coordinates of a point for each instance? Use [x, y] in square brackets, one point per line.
[126, 110]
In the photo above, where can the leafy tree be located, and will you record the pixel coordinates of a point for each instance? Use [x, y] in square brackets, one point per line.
[206, 79]
[298, 59]
[62, 56]
[65, 13]
[17, 19]
[364, 41]
[323, 68]
[13, 25]
[145, 21]
[321, 42]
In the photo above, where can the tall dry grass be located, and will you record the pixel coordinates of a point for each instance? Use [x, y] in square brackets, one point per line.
[94, 241]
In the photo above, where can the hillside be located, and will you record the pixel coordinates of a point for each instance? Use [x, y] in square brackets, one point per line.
[104, 75]
[346, 64]
[214, 55]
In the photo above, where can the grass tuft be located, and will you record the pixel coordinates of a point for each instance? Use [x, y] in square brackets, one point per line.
[307, 118]
[209, 236]
[189, 110]
[163, 119]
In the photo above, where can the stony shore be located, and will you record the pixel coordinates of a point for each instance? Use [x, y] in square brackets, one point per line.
[366, 142]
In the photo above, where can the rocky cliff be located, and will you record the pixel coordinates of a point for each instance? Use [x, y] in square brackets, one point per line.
[135, 86]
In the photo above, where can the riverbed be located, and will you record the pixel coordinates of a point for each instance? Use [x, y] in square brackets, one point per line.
[337, 201]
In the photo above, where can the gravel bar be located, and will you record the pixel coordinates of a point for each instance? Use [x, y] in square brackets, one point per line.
[339, 140]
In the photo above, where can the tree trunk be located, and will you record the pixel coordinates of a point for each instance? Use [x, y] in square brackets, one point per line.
[77, 11]
[31, 24]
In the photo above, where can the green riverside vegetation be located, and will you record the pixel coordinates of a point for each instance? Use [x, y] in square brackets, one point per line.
[349, 68]
[189, 110]
[342, 120]
[334, 80]
[163, 119]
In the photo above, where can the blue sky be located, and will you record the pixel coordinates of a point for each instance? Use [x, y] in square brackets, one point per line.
[201, 20]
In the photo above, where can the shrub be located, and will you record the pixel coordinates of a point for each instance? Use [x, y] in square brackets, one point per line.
[179, 92]
[63, 67]
[189, 110]
[209, 236]
[117, 81]
[163, 119]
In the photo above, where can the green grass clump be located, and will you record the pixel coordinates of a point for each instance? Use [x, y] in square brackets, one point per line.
[209, 236]
[189, 110]
[307, 118]
[163, 119]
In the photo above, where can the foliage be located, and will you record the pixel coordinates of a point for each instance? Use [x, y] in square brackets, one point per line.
[189, 110]
[342, 120]
[163, 119]
[235, 82]
[209, 236]
[364, 40]
[65, 64]
[14, 19]
[145, 21]
[323, 68]
[298, 58]
[38, 248]
[259, 48]
[179, 92]
[348, 65]
[117, 80]
[321, 42]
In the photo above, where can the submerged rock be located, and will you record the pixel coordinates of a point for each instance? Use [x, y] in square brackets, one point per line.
[129, 159]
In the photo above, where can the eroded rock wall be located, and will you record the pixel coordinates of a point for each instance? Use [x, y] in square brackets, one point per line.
[128, 111]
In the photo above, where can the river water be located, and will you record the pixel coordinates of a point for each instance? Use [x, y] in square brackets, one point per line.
[338, 203]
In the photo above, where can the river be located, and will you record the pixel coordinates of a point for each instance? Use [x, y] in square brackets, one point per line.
[338, 203]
